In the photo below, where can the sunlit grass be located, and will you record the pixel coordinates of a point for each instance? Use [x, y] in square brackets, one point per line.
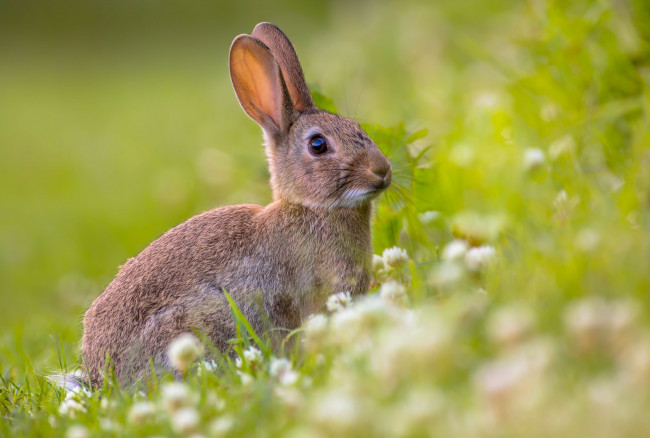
[512, 250]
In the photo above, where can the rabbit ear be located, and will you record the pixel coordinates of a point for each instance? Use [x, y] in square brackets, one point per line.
[259, 85]
[286, 57]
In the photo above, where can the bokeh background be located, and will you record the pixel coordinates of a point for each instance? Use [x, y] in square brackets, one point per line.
[118, 121]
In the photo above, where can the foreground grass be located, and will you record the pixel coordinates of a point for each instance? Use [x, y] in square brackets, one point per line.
[520, 307]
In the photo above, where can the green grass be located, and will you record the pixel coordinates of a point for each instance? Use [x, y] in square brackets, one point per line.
[526, 134]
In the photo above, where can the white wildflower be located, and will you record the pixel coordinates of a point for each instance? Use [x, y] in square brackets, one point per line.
[634, 362]
[508, 326]
[345, 325]
[184, 350]
[564, 205]
[393, 291]
[185, 421]
[447, 273]
[108, 425]
[587, 239]
[281, 368]
[404, 350]
[623, 321]
[222, 426]
[316, 326]
[245, 378]
[207, 367]
[338, 301]
[176, 395]
[377, 263]
[415, 413]
[77, 431]
[549, 112]
[290, 396]
[142, 412]
[561, 146]
[337, 410]
[533, 158]
[586, 321]
[428, 217]
[394, 257]
[71, 407]
[213, 399]
[251, 356]
[515, 381]
[479, 257]
[455, 250]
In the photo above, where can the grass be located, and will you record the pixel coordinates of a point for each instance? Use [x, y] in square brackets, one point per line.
[521, 197]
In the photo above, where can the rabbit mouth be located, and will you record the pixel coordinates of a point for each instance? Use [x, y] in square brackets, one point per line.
[357, 197]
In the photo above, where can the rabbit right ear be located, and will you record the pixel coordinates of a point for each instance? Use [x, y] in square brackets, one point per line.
[285, 55]
[259, 85]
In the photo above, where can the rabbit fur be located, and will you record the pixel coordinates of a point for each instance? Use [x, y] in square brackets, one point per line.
[279, 262]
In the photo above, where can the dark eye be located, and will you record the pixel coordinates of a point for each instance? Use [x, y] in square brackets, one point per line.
[318, 145]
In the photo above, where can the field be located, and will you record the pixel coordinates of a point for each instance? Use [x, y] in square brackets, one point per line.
[512, 266]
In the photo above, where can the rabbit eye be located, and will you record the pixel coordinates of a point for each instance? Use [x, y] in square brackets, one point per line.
[318, 145]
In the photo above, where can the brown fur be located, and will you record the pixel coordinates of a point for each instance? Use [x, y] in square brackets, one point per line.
[278, 262]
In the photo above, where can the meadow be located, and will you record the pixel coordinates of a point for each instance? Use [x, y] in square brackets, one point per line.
[512, 252]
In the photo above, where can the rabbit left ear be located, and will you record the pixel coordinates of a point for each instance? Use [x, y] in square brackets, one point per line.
[287, 58]
[259, 85]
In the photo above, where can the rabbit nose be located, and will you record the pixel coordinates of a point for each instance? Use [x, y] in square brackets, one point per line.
[382, 171]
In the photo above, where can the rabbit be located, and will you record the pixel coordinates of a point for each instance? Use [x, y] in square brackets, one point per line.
[279, 262]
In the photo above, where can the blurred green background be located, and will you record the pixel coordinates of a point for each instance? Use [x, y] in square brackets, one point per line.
[118, 121]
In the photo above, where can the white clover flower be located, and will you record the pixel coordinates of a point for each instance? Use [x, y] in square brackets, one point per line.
[176, 395]
[279, 366]
[533, 158]
[213, 399]
[447, 273]
[252, 356]
[70, 407]
[510, 325]
[515, 382]
[316, 326]
[185, 421]
[549, 112]
[587, 239]
[586, 321]
[142, 412]
[414, 414]
[623, 321]
[455, 250]
[479, 257]
[338, 301]
[245, 378]
[345, 325]
[394, 257]
[561, 146]
[222, 426]
[377, 263]
[207, 367]
[183, 351]
[108, 425]
[428, 217]
[77, 431]
[501, 378]
[337, 410]
[290, 397]
[634, 362]
[393, 291]
[403, 350]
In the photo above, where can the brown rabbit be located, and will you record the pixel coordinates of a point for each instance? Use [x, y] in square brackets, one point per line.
[279, 262]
